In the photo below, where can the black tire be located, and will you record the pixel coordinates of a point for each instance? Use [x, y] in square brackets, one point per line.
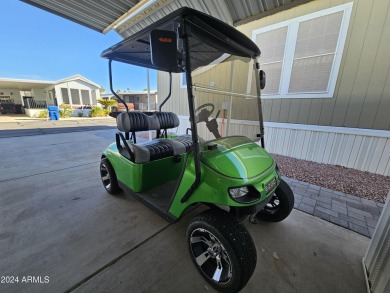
[280, 206]
[108, 176]
[216, 239]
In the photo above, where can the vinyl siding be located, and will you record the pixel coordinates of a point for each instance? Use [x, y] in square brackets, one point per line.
[361, 149]
[362, 94]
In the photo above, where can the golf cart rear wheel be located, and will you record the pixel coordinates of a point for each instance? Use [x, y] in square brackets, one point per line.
[280, 205]
[222, 250]
[108, 177]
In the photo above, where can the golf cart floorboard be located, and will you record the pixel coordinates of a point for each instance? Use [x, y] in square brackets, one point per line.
[158, 198]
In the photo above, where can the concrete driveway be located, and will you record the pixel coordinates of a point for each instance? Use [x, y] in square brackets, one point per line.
[58, 223]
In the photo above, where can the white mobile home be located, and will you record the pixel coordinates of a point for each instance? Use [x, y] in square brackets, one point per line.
[31, 96]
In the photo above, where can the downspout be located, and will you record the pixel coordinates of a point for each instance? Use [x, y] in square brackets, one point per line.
[256, 67]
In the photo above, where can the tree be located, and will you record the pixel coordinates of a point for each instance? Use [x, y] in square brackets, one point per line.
[107, 103]
[102, 90]
[118, 91]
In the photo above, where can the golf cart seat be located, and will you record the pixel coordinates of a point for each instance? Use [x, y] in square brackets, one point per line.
[132, 122]
[186, 140]
[167, 120]
[170, 120]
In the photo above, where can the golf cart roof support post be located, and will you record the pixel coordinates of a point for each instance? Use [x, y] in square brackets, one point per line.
[169, 94]
[111, 88]
[191, 104]
[256, 67]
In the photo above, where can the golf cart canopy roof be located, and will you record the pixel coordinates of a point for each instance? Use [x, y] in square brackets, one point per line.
[209, 39]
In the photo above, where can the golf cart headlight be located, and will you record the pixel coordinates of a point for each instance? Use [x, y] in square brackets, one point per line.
[238, 192]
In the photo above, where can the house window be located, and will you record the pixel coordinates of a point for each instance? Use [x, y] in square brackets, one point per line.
[85, 97]
[65, 96]
[75, 96]
[302, 56]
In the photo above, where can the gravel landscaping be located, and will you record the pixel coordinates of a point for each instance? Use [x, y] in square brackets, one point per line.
[362, 184]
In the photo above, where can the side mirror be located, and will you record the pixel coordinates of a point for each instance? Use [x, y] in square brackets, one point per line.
[163, 49]
[262, 79]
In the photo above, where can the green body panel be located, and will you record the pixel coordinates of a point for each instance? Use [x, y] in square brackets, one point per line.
[237, 157]
[214, 186]
[140, 177]
[221, 169]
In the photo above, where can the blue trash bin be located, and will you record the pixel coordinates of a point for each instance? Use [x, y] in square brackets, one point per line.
[54, 113]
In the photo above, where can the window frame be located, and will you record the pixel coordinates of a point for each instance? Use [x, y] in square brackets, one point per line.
[289, 52]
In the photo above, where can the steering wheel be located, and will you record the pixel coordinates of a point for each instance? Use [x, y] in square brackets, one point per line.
[202, 114]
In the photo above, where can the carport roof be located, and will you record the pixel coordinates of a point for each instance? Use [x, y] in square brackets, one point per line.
[28, 84]
[96, 15]
[130, 16]
[23, 84]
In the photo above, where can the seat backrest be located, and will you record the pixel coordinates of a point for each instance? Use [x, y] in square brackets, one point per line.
[167, 120]
[144, 121]
[136, 121]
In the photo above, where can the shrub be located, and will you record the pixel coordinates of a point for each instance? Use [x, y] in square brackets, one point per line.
[107, 104]
[80, 113]
[66, 111]
[96, 111]
[43, 114]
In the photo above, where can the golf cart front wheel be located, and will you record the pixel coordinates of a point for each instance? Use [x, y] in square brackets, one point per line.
[108, 176]
[280, 205]
[222, 250]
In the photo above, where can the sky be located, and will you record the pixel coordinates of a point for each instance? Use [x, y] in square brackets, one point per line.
[38, 45]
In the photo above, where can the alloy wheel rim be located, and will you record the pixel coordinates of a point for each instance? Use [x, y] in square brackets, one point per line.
[273, 205]
[105, 176]
[210, 256]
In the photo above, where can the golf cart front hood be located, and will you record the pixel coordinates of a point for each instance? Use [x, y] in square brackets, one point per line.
[236, 157]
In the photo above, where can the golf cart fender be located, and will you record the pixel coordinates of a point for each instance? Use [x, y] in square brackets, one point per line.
[213, 188]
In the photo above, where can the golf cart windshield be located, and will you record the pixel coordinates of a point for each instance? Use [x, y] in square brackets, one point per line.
[226, 103]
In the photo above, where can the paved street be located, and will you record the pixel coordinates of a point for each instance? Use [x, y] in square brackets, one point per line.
[21, 125]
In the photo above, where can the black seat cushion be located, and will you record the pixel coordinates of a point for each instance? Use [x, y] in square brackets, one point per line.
[186, 140]
[156, 149]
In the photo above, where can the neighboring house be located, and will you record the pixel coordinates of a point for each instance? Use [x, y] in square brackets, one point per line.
[327, 97]
[31, 96]
[138, 99]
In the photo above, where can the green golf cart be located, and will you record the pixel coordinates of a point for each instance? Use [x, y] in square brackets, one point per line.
[210, 151]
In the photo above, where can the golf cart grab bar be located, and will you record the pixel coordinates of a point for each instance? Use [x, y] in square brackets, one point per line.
[169, 94]
[111, 88]
[118, 137]
[203, 88]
